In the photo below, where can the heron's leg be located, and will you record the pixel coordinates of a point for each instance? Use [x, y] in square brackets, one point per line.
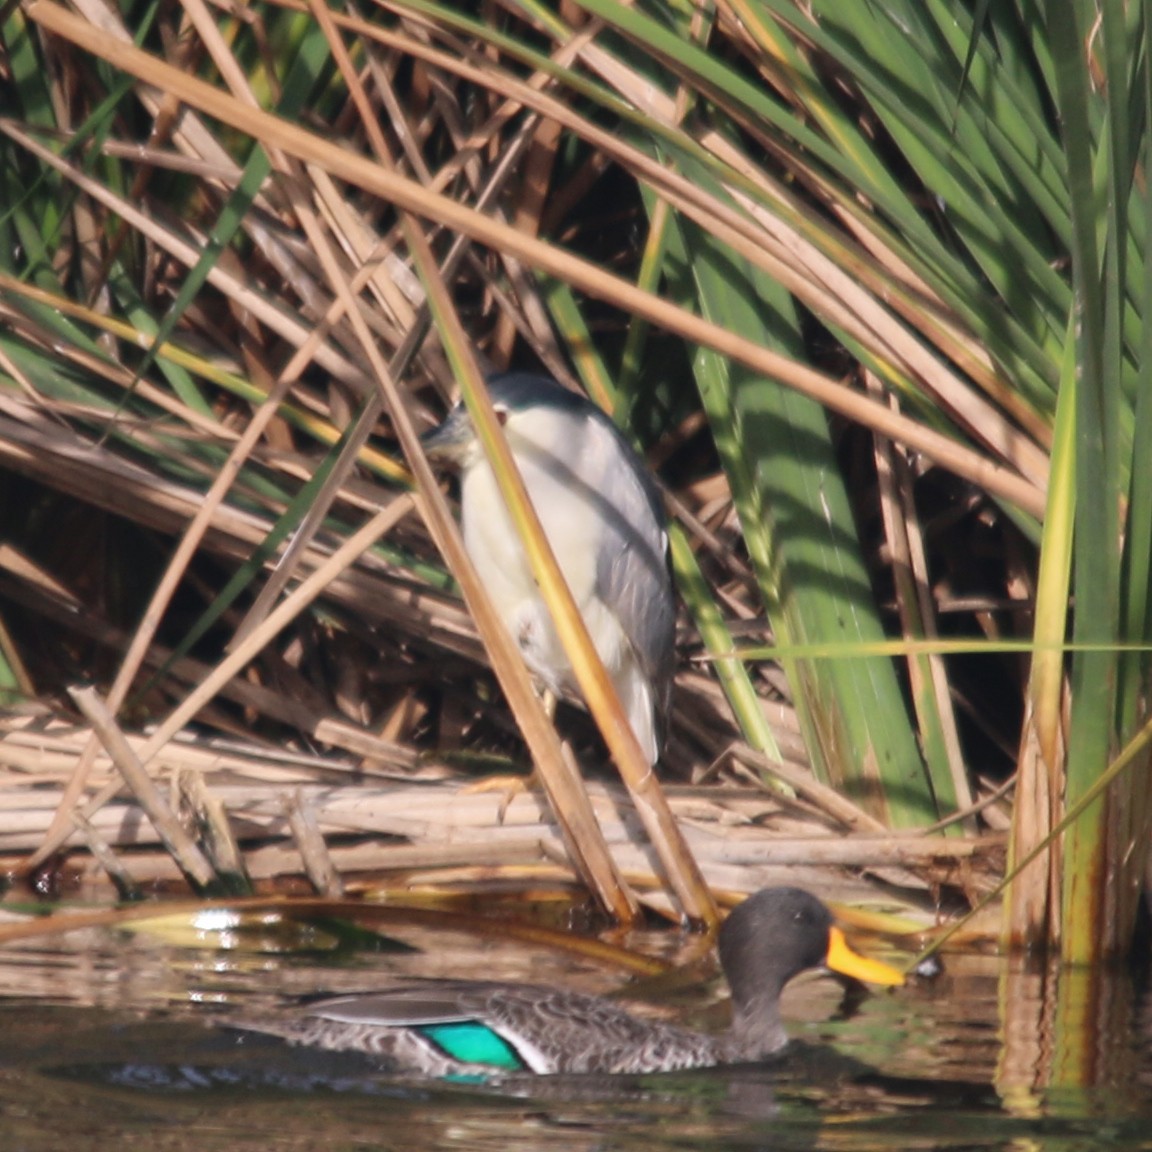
[513, 786]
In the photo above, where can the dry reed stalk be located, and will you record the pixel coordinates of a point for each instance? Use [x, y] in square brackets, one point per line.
[678, 865]
[318, 864]
[216, 832]
[927, 675]
[102, 853]
[184, 850]
[582, 836]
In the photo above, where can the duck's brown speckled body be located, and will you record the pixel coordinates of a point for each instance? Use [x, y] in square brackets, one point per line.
[466, 1028]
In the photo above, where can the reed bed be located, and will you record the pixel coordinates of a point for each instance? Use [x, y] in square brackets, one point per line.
[378, 823]
[866, 286]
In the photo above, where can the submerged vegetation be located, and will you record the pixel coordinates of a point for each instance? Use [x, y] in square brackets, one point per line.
[867, 283]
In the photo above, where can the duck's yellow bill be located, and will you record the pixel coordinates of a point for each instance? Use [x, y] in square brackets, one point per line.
[842, 959]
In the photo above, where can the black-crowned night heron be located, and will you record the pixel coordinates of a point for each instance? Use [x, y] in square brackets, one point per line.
[604, 520]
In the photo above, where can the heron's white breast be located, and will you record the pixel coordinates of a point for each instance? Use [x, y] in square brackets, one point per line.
[564, 475]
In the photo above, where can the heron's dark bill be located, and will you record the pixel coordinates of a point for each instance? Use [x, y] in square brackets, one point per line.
[842, 959]
[448, 442]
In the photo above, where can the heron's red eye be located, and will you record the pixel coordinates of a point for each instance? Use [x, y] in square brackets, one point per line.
[502, 416]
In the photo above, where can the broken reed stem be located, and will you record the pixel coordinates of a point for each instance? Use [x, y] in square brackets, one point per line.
[215, 832]
[103, 854]
[310, 841]
[191, 860]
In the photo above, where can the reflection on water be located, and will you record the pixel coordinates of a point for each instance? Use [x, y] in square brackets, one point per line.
[106, 1044]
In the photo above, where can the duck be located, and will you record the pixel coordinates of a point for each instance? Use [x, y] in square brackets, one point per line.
[468, 1029]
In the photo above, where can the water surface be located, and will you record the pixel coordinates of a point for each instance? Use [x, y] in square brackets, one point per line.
[108, 1043]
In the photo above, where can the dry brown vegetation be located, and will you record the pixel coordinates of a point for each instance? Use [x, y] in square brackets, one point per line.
[249, 257]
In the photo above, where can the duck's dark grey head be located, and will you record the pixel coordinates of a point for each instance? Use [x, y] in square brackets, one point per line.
[774, 935]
